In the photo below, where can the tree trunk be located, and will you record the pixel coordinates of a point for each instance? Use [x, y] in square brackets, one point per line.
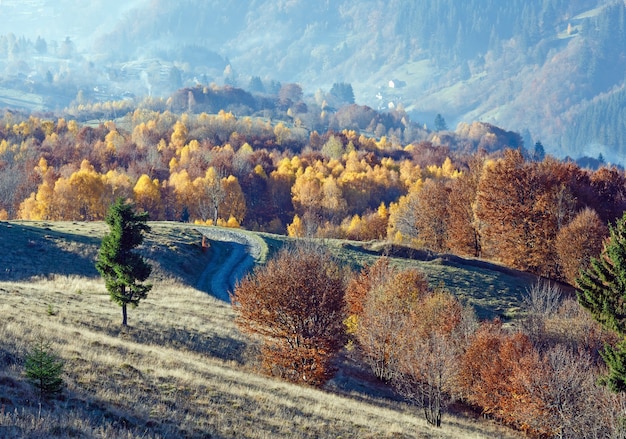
[124, 315]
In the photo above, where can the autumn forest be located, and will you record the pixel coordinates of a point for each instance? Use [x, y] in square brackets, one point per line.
[348, 172]
[475, 193]
[326, 219]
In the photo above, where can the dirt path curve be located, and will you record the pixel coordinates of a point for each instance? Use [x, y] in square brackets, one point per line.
[233, 254]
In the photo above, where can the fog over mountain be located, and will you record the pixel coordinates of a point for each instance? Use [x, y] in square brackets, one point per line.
[553, 70]
[58, 19]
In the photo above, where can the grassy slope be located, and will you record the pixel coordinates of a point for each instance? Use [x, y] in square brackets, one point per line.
[182, 368]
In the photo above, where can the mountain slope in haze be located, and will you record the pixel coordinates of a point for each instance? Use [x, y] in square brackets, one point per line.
[61, 19]
[531, 66]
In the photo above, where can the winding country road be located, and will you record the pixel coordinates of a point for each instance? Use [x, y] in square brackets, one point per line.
[233, 254]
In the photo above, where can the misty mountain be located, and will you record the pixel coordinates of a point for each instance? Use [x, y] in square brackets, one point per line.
[56, 20]
[552, 70]
[542, 68]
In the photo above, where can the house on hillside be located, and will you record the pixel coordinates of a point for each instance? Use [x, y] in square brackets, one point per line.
[396, 83]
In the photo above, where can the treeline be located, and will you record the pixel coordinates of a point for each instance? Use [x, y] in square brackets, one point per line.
[601, 122]
[268, 99]
[526, 214]
[283, 178]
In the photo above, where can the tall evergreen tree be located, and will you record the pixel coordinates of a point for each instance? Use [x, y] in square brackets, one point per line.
[440, 123]
[602, 290]
[539, 153]
[123, 270]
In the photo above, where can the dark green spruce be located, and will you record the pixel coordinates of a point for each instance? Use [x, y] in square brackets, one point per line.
[602, 290]
[124, 270]
[43, 368]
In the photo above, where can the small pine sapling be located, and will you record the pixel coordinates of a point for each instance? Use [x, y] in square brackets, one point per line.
[44, 368]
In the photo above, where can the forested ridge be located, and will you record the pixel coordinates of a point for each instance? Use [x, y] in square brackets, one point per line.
[475, 192]
[532, 67]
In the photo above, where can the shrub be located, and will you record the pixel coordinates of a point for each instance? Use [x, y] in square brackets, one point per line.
[295, 304]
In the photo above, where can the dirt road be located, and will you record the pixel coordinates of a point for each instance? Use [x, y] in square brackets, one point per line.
[233, 254]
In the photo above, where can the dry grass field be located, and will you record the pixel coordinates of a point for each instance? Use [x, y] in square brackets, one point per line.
[181, 369]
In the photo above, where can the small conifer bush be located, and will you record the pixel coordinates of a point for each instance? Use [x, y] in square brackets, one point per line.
[44, 368]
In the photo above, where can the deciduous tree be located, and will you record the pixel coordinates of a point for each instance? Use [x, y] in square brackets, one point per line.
[489, 369]
[432, 214]
[578, 242]
[295, 304]
[234, 203]
[380, 300]
[208, 195]
[463, 235]
[81, 196]
[519, 206]
[147, 194]
[431, 346]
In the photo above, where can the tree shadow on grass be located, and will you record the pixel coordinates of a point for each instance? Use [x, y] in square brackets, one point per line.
[40, 251]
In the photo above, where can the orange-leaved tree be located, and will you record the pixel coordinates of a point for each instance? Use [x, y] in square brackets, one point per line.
[463, 235]
[379, 300]
[579, 241]
[490, 372]
[431, 342]
[520, 206]
[295, 304]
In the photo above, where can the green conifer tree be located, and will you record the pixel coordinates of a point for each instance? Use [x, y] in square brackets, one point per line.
[602, 290]
[440, 123]
[123, 270]
[43, 368]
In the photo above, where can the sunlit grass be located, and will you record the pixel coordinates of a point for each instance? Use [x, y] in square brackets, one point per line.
[182, 369]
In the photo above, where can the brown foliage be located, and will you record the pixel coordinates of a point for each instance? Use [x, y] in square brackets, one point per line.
[578, 242]
[609, 190]
[381, 274]
[463, 234]
[564, 399]
[382, 297]
[431, 345]
[520, 206]
[553, 393]
[488, 368]
[295, 304]
[433, 209]
[425, 154]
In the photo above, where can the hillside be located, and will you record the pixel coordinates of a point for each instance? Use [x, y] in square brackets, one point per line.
[182, 368]
[532, 67]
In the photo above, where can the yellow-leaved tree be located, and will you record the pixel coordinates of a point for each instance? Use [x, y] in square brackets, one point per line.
[37, 206]
[233, 205]
[147, 195]
[183, 188]
[208, 195]
[296, 228]
[80, 197]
